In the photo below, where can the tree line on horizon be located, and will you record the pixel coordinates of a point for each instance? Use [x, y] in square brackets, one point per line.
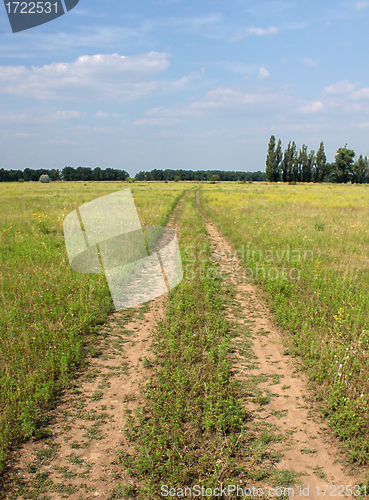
[69, 173]
[28, 174]
[199, 175]
[294, 165]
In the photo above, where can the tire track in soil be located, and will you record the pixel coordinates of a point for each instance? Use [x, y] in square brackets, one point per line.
[310, 450]
[79, 460]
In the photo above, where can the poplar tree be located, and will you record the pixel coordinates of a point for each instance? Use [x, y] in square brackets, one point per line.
[287, 163]
[302, 164]
[320, 164]
[294, 162]
[311, 161]
[299, 166]
[278, 160]
[273, 160]
[270, 159]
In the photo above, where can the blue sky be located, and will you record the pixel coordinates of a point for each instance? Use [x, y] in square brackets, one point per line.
[184, 84]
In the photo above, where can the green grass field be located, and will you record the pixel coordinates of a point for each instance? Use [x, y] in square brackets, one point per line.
[46, 308]
[306, 248]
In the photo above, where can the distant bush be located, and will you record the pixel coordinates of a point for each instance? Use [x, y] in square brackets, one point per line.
[214, 178]
[177, 178]
[129, 179]
[44, 178]
[20, 180]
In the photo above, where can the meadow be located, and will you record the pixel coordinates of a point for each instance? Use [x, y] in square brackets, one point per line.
[47, 310]
[306, 246]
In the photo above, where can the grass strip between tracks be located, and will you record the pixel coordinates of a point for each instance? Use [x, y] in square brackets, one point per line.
[194, 429]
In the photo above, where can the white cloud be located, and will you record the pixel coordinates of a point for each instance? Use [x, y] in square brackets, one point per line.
[280, 105]
[309, 62]
[16, 118]
[272, 30]
[229, 101]
[342, 87]
[240, 34]
[101, 76]
[263, 73]
[102, 114]
[311, 107]
[70, 114]
[346, 98]
[87, 37]
[360, 94]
